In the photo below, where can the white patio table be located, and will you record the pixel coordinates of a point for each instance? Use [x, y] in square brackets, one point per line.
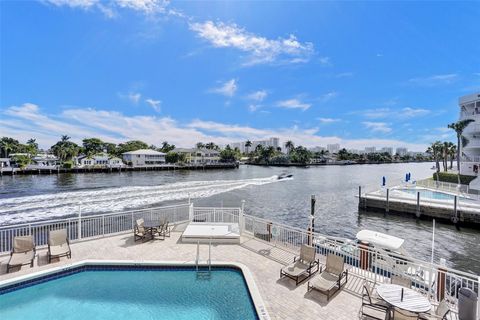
[412, 301]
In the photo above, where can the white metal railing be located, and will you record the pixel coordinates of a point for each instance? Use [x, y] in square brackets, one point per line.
[471, 158]
[89, 227]
[445, 186]
[210, 214]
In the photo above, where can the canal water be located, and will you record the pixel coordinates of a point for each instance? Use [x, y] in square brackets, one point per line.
[29, 198]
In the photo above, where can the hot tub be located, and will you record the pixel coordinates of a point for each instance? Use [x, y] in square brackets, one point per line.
[211, 231]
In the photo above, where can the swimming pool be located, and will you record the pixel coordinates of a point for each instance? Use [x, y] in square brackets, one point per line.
[431, 194]
[131, 292]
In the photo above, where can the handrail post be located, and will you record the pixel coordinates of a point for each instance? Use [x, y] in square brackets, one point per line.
[418, 204]
[241, 218]
[79, 222]
[387, 205]
[190, 211]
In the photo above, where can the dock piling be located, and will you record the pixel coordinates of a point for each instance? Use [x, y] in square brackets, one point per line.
[387, 204]
[455, 211]
[418, 205]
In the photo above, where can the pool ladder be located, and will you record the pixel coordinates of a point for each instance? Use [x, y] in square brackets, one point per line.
[204, 274]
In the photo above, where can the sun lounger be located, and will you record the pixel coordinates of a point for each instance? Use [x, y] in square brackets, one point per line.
[23, 252]
[333, 277]
[302, 267]
[58, 244]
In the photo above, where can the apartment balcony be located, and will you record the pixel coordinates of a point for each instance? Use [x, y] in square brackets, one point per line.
[474, 143]
[470, 115]
[472, 128]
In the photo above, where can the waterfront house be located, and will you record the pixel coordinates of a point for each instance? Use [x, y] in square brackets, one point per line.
[98, 160]
[4, 162]
[199, 156]
[144, 157]
[44, 161]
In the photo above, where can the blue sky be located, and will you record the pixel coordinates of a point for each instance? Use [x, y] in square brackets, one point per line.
[357, 73]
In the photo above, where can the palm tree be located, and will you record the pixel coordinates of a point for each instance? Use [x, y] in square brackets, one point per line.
[210, 146]
[451, 152]
[289, 145]
[435, 150]
[248, 144]
[200, 145]
[458, 127]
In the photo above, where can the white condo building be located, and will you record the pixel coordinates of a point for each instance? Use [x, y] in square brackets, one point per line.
[271, 142]
[401, 151]
[388, 150]
[333, 148]
[470, 154]
[370, 150]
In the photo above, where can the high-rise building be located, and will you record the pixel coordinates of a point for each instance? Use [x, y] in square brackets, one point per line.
[333, 148]
[388, 150]
[370, 149]
[401, 151]
[271, 142]
[470, 109]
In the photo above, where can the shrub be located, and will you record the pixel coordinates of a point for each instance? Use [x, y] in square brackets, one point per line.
[453, 178]
[68, 164]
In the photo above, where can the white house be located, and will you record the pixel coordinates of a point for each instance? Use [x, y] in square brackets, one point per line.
[199, 156]
[144, 157]
[470, 153]
[44, 161]
[98, 160]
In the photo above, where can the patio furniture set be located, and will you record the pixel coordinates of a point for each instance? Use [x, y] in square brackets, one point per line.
[393, 301]
[151, 229]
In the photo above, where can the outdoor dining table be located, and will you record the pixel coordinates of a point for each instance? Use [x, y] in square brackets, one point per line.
[151, 226]
[412, 301]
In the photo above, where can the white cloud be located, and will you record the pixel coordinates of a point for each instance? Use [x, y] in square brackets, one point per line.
[381, 127]
[328, 120]
[134, 97]
[258, 96]
[260, 49]
[109, 9]
[328, 96]
[434, 80]
[227, 89]
[402, 114]
[27, 121]
[293, 104]
[155, 104]
[325, 61]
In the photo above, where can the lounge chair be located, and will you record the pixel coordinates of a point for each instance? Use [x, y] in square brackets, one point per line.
[404, 282]
[331, 277]
[58, 245]
[163, 229]
[23, 252]
[302, 267]
[440, 312]
[139, 231]
[372, 302]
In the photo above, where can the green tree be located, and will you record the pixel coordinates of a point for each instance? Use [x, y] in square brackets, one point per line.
[452, 152]
[172, 157]
[32, 147]
[248, 144]
[65, 149]
[92, 146]
[289, 145]
[200, 145]
[228, 154]
[211, 146]
[458, 127]
[111, 148]
[131, 146]
[300, 155]
[166, 147]
[8, 145]
[21, 160]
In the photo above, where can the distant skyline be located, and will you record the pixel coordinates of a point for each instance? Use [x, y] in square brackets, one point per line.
[383, 74]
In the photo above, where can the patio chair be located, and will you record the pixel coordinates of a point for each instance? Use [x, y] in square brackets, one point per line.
[23, 252]
[164, 227]
[139, 231]
[398, 314]
[404, 282]
[331, 277]
[372, 302]
[440, 312]
[302, 267]
[58, 244]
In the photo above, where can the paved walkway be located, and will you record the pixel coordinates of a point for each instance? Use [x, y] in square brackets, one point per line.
[282, 299]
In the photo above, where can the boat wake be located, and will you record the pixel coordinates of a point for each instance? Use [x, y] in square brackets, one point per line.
[67, 204]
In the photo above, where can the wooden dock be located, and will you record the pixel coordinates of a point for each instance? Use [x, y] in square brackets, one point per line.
[458, 213]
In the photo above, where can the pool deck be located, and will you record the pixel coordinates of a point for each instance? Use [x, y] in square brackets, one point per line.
[282, 299]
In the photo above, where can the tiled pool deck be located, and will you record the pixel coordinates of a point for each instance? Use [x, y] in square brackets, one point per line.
[282, 299]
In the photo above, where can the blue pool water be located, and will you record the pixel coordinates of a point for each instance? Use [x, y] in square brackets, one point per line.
[430, 194]
[133, 294]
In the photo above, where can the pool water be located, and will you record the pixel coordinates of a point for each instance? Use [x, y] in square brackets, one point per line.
[430, 194]
[133, 294]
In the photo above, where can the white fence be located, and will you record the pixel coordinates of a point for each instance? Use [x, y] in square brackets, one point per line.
[89, 227]
[444, 186]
